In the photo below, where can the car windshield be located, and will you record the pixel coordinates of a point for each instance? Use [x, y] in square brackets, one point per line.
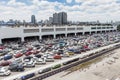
[26, 60]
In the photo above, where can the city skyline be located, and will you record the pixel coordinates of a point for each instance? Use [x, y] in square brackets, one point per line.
[77, 10]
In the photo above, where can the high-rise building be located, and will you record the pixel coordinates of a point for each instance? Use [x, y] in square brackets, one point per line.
[33, 19]
[55, 18]
[50, 20]
[60, 18]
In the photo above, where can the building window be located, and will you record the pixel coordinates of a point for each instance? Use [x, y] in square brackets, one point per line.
[103, 27]
[93, 27]
[70, 29]
[60, 29]
[47, 30]
[79, 28]
[31, 30]
[98, 27]
[111, 27]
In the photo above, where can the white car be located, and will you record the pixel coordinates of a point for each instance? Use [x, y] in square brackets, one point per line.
[65, 55]
[49, 59]
[40, 61]
[1, 58]
[4, 71]
[29, 63]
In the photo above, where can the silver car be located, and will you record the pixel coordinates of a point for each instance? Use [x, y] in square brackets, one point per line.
[4, 71]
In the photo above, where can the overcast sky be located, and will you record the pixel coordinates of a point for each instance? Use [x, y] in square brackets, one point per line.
[77, 10]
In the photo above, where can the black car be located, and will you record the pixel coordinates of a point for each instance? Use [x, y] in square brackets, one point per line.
[16, 67]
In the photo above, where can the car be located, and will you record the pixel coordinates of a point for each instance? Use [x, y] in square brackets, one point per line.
[38, 55]
[1, 58]
[29, 49]
[83, 50]
[25, 77]
[28, 53]
[44, 70]
[70, 53]
[8, 56]
[2, 53]
[18, 60]
[16, 67]
[29, 62]
[18, 55]
[4, 71]
[77, 51]
[36, 52]
[40, 61]
[2, 47]
[5, 63]
[49, 59]
[65, 55]
[56, 56]
[56, 66]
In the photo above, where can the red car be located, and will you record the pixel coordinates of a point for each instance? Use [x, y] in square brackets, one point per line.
[18, 55]
[5, 63]
[29, 49]
[57, 56]
[50, 45]
[2, 47]
[35, 52]
[28, 53]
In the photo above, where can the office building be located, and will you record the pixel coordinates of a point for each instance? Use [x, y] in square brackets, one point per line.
[60, 18]
[33, 20]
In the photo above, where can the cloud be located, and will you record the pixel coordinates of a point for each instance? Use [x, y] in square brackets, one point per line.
[68, 1]
[81, 1]
[87, 10]
[15, 4]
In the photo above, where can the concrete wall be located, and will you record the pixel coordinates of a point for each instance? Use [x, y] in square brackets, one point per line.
[9, 32]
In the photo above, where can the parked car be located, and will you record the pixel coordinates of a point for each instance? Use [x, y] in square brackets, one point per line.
[38, 55]
[56, 66]
[5, 63]
[44, 70]
[16, 67]
[18, 60]
[18, 55]
[25, 77]
[49, 59]
[1, 58]
[65, 55]
[2, 53]
[29, 62]
[8, 56]
[4, 71]
[40, 61]
[70, 53]
[35, 51]
[57, 56]
[28, 53]
[77, 51]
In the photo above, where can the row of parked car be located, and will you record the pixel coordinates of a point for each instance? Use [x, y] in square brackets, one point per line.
[18, 56]
[62, 65]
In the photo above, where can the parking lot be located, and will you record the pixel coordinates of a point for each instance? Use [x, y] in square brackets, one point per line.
[25, 53]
